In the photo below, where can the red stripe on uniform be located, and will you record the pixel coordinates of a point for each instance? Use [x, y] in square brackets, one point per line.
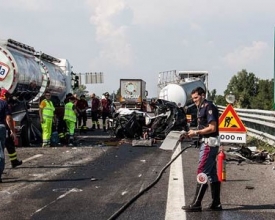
[203, 159]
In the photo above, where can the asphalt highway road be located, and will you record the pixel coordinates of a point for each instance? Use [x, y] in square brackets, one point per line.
[91, 181]
[94, 181]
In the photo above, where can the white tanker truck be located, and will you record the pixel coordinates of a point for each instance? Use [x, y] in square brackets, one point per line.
[177, 87]
[26, 74]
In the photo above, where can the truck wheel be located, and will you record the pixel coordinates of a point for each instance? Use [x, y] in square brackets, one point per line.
[30, 134]
[25, 141]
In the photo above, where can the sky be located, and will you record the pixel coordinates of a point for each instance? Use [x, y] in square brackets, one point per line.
[137, 39]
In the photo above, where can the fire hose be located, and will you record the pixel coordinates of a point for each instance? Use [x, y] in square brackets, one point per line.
[126, 205]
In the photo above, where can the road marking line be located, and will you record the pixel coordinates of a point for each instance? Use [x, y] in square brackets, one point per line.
[33, 157]
[175, 195]
[58, 198]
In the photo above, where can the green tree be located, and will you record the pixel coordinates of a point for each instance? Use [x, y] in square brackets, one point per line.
[211, 95]
[220, 100]
[244, 87]
[264, 97]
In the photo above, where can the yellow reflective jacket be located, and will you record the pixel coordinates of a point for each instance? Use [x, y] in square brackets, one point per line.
[69, 113]
[48, 110]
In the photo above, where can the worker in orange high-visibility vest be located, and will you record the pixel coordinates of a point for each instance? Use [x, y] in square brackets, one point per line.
[70, 116]
[46, 113]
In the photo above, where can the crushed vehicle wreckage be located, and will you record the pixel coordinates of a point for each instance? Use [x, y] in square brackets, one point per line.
[133, 124]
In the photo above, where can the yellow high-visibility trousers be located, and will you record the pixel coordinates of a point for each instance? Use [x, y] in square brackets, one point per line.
[46, 131]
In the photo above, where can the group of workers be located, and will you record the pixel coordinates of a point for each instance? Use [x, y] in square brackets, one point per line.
[71, 116]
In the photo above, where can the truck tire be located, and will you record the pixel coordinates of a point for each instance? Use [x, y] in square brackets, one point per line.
[30, 133]
[24, 137]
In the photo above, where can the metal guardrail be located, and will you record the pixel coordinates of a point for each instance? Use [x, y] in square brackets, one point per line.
[259, 123]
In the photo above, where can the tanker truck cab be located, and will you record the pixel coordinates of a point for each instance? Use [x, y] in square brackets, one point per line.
[27, 74]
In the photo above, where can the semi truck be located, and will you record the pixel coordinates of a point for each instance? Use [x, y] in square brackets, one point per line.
[27, 74]
[132, 93]
[176, 86]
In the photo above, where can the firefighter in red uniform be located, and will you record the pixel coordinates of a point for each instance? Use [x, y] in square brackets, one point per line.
[95, 111]
[106, 103]
[81, 107]
[10, 146]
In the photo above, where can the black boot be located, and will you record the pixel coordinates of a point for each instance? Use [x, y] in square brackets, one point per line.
[71, 141]
[98, 126]
[93, 127]
[215, 192]
[195, 206]
[104, 128]
[15, 163]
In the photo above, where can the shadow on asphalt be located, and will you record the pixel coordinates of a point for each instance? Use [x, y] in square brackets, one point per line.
[248, 207]
[40, 166]
[240, 180]
[14, 180]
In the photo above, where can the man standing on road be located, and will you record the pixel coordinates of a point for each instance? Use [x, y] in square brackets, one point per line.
[10, 145]
[208, 131]
[5, 119]
[82, 106]
[95, 110]
[106, 108]
[46, 113]
[70, 118]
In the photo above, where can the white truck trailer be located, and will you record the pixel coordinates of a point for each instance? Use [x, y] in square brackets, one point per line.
[132, 92]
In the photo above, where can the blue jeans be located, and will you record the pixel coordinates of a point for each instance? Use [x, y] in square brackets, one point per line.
[2, 146]
[207, 162]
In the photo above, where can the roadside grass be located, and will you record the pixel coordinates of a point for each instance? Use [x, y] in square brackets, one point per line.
[260, 144]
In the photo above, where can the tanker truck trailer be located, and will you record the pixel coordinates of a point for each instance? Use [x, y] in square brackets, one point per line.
[181, 95]
[27, 74]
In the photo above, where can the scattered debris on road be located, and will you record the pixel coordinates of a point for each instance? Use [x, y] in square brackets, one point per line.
[249, 155]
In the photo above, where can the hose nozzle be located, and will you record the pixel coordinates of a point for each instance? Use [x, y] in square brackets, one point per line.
[183, 135]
